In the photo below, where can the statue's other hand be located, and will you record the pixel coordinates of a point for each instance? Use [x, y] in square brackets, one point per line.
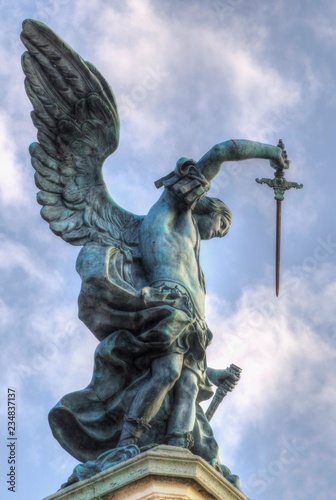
[227, 377]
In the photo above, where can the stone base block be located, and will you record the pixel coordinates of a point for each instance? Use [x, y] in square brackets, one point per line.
[161, 473]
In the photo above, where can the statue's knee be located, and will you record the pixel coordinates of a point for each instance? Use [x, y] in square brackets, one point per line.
[168, 375]
[173, 374]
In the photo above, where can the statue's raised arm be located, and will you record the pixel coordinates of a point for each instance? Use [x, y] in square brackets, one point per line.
[237, 150]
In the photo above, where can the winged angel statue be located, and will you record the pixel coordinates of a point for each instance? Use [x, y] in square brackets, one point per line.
[143, 291]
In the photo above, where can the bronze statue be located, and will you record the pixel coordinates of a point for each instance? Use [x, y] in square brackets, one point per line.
[143, 289]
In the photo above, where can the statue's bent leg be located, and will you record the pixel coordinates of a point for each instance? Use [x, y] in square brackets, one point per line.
[182, 418]
[166, 370]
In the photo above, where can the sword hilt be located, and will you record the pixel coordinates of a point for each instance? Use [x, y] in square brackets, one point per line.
[279, 183]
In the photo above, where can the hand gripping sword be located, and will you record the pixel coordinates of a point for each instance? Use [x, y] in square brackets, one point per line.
[280, 185]
[221, 392]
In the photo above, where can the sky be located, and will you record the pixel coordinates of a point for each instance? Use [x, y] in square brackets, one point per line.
[188, 75]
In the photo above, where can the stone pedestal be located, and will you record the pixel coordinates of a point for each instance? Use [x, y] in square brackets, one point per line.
[161, 473]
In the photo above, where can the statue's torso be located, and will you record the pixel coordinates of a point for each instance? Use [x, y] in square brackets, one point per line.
[169, 246]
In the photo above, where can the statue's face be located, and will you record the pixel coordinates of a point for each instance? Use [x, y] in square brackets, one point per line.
[213, 225]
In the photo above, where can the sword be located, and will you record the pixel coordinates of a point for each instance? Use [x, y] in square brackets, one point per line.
[279, 185]
[221, 392]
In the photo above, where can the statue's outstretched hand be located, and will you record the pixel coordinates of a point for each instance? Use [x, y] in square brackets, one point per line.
[282, 162]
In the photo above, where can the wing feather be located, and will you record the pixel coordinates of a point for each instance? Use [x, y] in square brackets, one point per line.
[75, 113]
[57, 58]
[56, 213]
[49, 199]
[46, 185]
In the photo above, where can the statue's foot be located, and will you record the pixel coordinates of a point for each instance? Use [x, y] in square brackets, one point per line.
[177, 441]
[233, 479]
[225, 471]
[148, 447]
[106, 460]
[132, 430]
[181, 440]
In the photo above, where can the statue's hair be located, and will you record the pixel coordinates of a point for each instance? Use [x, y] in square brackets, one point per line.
[210, 205]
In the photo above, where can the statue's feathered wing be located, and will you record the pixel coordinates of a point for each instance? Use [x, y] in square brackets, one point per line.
[78, 128]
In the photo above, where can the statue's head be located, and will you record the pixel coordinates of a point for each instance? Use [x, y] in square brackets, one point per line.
[213, 218]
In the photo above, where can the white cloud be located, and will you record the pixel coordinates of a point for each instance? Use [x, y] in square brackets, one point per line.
[12, 178]
[54, 346]
[261, 93]
[14, 255]
[278, 343]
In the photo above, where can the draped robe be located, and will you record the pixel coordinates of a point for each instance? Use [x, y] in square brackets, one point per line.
[88, 422]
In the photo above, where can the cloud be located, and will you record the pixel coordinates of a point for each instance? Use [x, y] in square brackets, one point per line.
[12, 178]
[321, 25]
[161, 67]
[54, 346]
[279, 344]
[15, 256]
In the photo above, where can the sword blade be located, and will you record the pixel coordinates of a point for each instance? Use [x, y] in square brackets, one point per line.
[278, 246]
